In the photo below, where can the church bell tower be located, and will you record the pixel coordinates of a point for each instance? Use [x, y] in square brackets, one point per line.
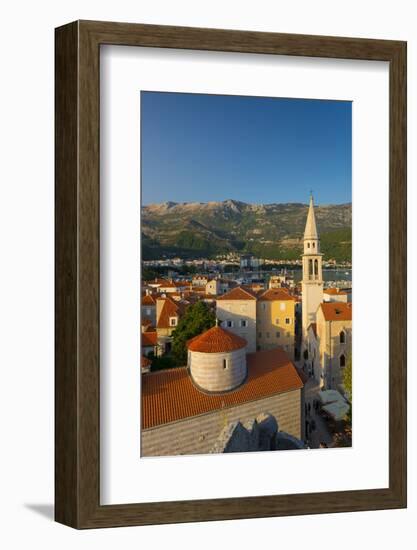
[312, 283]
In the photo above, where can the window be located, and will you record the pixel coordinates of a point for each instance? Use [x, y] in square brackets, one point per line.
[224, 363]
[259, 334]
[308, 245]
[267, 334]
[229, 323]
[282, 306]
[278, 334]
[316, 268]
[172, 321]
[287, 321]
[148, 311]
[243, 323]
[314, 245]
[342, 360]
[310, 268]
[342, 337]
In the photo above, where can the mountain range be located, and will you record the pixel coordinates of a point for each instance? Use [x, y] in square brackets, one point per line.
[272, 231]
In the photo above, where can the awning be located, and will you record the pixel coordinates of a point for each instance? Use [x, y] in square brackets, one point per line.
[337, 410]
[330, 396]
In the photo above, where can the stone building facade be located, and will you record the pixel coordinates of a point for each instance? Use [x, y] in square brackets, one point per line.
[197, 435]
[330, 343]
[237, 312]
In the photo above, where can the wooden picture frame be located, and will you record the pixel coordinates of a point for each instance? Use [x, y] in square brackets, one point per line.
[77, 404]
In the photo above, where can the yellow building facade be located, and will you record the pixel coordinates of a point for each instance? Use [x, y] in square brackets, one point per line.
[275, 314]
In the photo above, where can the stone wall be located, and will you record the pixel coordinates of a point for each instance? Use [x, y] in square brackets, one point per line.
[254, 435]
[197, 435]
[209, 371]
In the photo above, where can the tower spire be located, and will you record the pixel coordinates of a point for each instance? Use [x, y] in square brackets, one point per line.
[311, 228]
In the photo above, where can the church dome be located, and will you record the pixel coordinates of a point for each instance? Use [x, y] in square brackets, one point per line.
[217, 360]
[216, 340]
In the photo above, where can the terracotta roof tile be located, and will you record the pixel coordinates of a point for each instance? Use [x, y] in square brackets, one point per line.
[169, 309]
[149, 338]
[145, 362]
[337, 311]
[165, 283]
[276, 294]
[148, 300]
[170, 395]
[216, 340]
[238, 293]
[334, 291]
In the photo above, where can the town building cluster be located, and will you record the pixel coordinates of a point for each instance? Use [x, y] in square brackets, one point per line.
[270, 340]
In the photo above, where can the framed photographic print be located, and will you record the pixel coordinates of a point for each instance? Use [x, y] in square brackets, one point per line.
[222, 199]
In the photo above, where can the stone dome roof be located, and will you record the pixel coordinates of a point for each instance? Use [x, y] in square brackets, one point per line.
[216, 340]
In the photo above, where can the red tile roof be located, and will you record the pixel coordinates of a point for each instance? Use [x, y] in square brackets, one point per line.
[238, 293]
[334, 291]
[337, 311]
[170, 395]
[169, 309]
[148, 300]
[276, 294]
[216, 340]
[145, 362]
[164, 283]
[149, 338]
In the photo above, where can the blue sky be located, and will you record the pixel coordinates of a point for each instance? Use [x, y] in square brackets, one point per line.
[199, 148]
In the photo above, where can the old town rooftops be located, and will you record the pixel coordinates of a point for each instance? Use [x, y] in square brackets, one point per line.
[334, 291]
[169, 309]
[216, 340]
[170, 395]
[149, 338]
[337, 311]
[276, 294]
[238, 293]
[148, 300]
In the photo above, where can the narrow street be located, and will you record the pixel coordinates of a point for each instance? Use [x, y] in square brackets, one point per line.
[321, 433]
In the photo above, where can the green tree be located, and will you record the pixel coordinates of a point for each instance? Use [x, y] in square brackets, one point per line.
[196, 320]
[347, 383]
[347, 378]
